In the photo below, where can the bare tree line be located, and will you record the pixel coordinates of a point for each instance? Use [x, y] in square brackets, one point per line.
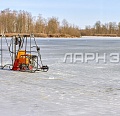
[12, 21]
[23, 22]
[99, 29]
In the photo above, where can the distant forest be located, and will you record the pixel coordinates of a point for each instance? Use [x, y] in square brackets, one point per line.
[12, 21]
[23, 22]
[99, 29]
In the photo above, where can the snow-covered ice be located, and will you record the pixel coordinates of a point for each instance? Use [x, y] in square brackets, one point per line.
[67, 89]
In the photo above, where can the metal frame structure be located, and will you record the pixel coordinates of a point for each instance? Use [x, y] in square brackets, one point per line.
[23, 57]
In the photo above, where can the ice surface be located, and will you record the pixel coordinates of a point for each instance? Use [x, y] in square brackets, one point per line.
[67, 89]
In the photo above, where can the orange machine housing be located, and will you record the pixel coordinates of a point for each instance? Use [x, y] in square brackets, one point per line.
[22, 58]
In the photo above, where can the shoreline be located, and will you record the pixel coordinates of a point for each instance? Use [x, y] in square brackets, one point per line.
[41, 35]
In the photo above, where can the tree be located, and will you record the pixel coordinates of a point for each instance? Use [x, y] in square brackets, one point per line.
[119, 28]
[98, 27]
[53, 26]
[40, 24]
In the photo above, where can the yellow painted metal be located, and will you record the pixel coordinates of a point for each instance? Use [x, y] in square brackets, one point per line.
[23, 57]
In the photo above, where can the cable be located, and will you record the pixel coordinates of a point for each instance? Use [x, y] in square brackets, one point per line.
[8, 48]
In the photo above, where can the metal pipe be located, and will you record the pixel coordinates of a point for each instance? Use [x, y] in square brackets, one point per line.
[12, 50]
[30, 45]
[37, 63]
[1, 52]
[25, 48]
[15, 41]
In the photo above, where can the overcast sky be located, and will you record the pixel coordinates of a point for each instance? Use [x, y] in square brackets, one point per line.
[78, 12]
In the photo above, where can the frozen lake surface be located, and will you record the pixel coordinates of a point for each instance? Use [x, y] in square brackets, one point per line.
[67, 89]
